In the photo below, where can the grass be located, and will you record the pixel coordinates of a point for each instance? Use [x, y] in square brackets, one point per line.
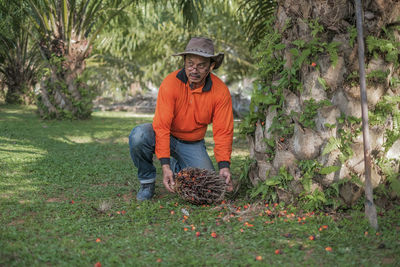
[67, 198]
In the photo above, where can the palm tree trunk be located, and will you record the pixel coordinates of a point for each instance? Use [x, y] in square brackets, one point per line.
[323, 32]
[61, 90]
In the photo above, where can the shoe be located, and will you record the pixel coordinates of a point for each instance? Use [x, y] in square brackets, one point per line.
[146, 191]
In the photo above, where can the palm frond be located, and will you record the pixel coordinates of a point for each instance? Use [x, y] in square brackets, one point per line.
[257, 13]
[105, 22]
[190, 11]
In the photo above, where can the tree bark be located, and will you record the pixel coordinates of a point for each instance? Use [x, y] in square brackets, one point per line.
[310, 29]
[61, 90]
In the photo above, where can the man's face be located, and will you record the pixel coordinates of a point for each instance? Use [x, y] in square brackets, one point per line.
[197, 68]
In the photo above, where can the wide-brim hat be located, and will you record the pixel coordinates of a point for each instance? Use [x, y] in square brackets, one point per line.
[203, 47]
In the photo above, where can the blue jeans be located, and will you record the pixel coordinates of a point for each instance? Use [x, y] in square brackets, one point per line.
[142, 144]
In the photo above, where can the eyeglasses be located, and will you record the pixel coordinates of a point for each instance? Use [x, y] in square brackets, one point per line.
[202, 67]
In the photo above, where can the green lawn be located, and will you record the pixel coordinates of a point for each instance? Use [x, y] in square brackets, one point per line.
[67, 198]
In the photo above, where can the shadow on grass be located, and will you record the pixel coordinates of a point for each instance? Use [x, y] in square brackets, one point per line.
[71, 159]
[54, 157]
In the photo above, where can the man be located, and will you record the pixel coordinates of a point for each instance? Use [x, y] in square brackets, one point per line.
[188, 100]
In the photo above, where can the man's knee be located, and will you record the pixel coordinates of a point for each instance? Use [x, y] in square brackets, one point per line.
[140, 135]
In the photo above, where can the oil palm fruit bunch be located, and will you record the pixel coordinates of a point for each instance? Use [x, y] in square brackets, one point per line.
[199, 186]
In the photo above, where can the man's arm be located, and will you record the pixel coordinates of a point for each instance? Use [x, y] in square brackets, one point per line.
[168, 178]
[162, 127]
[223, 135]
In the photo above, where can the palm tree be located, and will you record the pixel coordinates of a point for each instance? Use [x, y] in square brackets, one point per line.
[306, 104]
[64, 30]
[19, 61]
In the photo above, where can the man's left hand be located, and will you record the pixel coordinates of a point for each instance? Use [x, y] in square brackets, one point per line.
[226, 173]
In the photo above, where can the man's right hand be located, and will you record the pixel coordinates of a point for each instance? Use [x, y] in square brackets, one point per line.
[168, 178]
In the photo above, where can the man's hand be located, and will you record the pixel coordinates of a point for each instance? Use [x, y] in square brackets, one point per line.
[226, 173]
[168, 178]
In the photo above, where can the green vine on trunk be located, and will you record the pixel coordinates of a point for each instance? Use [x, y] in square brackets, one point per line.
[307, 118]
[387, 45]
[309, 200]
[267, 189]
[388, 106]
[350, 127]
[275, 77]
[56, 100]
[388, 168]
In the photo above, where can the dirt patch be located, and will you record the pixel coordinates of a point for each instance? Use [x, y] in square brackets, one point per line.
[16, 222]
[309, 254]
[110, 184]
[55, 200]
[127, 197]
[388, 260]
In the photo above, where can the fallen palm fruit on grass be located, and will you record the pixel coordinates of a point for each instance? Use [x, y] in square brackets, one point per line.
[199, 186]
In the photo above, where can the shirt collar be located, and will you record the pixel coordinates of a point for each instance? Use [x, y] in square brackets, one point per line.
[182, 77]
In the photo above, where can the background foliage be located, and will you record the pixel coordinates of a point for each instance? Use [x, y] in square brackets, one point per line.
[134, 48]
[130, 48]
[19, 60]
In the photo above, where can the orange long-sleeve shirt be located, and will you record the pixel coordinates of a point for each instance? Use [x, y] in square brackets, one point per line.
[185, 113]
